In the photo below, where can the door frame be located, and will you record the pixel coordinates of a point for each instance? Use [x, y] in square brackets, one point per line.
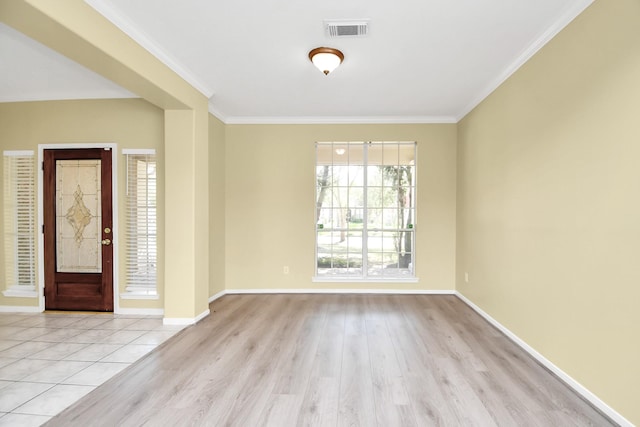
[114, 207]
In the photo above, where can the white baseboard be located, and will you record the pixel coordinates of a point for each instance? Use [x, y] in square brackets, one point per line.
[20, 309]
[141, 311]
[216, 296]
[342, 291]
[575, 385]
[185, 321]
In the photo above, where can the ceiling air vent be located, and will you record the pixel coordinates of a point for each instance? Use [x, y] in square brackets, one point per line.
[351, 28]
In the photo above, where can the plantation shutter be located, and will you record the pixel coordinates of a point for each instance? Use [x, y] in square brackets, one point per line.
[19, 223]
[141, 226]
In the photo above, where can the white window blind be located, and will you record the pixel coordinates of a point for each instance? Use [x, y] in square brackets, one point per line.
[141, 228]
[19, 223]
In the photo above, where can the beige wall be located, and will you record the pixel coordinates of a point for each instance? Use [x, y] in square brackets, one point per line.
[216, 206]
[186, 212]
[76, 30]
[549, 203]
[547, 172]
[270, 186]
[130, 123]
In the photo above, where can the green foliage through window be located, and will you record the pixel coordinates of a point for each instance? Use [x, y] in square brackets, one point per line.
[365, 209]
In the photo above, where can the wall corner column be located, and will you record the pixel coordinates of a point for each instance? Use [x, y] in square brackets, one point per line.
[186, 215]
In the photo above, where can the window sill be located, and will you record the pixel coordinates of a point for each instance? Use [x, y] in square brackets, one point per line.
[135, 295]
[20, 292]
[346, 279]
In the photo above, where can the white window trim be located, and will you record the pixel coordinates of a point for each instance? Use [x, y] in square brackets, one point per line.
[14, 289]
[368, 279]
[137, 292]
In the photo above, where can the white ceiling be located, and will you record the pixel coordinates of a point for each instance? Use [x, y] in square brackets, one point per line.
[423, 60]
[30, 71]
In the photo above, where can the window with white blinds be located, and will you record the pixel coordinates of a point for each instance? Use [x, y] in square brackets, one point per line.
[141, 225]
[19, 224]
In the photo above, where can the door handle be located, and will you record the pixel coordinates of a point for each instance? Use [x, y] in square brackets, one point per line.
[106, 242]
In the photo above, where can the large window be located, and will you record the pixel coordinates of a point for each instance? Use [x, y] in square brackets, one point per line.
[365, 210]
[141, 247]
[19, 224]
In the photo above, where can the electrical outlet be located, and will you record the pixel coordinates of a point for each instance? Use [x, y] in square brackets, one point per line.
[466, 277]
[285, 269]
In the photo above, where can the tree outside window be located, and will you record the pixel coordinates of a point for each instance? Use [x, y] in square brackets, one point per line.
[365, 209]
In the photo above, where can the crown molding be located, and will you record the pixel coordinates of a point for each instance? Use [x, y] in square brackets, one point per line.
[65, 96]
[298, 120]
[310, 120]
[564, 20]
[117, 18]
[125, 25]
[217, 113]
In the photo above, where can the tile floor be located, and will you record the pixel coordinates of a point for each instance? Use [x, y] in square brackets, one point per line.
[50, 360]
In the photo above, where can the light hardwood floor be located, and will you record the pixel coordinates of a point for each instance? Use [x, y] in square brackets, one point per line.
[335, 360]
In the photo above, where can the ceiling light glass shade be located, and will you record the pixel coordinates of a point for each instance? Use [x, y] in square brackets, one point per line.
[326, 59]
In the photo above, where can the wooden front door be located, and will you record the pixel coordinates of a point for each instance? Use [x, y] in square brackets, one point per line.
[78, 235]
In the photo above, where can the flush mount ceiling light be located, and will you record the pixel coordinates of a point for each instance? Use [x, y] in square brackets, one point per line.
[326, 59]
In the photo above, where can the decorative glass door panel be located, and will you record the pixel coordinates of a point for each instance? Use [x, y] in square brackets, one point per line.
[78, 216]
[78, 229]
